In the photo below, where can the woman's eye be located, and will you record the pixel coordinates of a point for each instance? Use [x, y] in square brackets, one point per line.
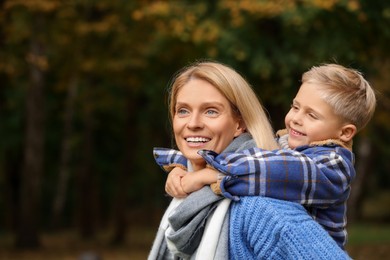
[181, 111]
[211, 112]
[294, 107]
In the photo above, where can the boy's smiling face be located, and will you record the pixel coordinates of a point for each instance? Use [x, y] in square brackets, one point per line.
[311, 119]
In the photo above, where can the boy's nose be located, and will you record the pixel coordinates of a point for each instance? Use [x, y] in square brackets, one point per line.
[297, 119]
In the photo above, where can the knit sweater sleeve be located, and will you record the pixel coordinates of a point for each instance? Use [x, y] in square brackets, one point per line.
[315, 176]
[265, 228]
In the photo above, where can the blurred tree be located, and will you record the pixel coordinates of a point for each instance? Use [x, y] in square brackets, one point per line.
[88, 190]
[28, 225]
[59, 198]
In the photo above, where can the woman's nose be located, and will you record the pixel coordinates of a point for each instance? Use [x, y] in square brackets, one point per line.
[195, 121]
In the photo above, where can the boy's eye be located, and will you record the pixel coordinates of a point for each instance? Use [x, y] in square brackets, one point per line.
[314, 116]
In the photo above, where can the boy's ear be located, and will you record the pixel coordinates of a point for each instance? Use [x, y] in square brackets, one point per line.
[348, 132]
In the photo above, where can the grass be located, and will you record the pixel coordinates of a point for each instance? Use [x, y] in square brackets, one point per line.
[68, 245]
[369, 241]
[366, 241]
[369, 234]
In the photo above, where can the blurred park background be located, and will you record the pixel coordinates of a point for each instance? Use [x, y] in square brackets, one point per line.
[83, 89]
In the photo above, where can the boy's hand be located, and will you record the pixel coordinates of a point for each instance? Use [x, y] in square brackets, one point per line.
[180, 183]
[173, 184]
[194, 181]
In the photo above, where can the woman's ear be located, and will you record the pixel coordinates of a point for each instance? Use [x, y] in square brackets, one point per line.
[348, 132]
[241, 128]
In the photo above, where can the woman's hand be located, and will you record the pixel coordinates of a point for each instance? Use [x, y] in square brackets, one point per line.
[173, 184]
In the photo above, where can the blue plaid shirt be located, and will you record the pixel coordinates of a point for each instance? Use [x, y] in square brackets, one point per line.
[318, 177]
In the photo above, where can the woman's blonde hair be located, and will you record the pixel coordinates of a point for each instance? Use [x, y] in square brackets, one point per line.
[235, 88]
[345, 90]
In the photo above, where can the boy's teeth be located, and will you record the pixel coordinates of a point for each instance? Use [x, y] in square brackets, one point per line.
[297, 133]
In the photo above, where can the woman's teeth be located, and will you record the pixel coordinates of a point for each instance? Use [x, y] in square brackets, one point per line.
[197, 139]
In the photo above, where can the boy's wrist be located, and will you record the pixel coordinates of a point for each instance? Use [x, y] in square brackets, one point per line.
[220, 176]
[209, 176]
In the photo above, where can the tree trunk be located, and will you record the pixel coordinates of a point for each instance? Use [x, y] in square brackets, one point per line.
[63, 173]
[120, 209]
[87, 187]
[12, 171]
[29, 212]
[12, 156]
[363, 162]
[366, 151]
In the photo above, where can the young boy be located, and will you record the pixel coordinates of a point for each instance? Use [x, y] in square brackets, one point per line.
[315, 164]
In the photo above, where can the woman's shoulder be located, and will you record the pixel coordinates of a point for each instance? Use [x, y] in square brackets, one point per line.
[268, 228]
[255, 205]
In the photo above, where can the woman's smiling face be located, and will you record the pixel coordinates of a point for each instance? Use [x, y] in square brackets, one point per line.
[203, 119]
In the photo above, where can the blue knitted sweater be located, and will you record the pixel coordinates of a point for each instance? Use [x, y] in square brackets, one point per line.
[276, 229]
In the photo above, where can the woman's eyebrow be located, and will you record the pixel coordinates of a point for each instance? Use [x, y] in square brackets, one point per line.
[203, 104]
[213, 103]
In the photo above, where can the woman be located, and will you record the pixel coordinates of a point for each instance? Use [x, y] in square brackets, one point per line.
[212, 107]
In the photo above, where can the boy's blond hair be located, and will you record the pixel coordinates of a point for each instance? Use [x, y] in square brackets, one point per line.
[345, 90]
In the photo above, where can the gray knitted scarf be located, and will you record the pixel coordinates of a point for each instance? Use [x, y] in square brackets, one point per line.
[188, 220]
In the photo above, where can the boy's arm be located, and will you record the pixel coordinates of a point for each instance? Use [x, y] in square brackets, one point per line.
[180, 182]
[319, 177]
[194, 181]
[168, 159]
